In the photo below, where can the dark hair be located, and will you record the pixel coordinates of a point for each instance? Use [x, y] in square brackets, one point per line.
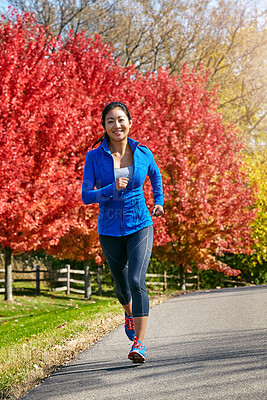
[106, 110]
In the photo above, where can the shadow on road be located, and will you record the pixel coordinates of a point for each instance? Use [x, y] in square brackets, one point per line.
[204, 350]
[222, 358]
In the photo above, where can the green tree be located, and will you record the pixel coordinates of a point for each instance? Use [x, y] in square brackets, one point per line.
[258, 174]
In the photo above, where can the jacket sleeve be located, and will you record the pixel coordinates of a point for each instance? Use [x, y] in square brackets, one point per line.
[156, 181]
[89, 193]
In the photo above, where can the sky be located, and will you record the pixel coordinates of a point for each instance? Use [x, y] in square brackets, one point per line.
[3, 5]
[260, 3]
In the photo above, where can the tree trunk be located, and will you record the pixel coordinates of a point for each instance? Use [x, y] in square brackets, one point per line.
[182, 278]
[8, 274]
[87, 282]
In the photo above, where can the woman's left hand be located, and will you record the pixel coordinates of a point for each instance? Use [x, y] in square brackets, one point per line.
[158, 210]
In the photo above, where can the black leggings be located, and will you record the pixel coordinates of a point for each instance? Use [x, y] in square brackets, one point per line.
[128, 258]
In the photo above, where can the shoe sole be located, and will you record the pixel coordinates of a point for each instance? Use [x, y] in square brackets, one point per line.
[136, 357]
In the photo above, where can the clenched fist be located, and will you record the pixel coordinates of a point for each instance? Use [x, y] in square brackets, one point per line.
[121, 183]
[157, 210]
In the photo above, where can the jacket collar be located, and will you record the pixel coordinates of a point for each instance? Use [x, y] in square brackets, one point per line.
[133, 144]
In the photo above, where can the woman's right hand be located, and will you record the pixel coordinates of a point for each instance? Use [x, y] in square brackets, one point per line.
[121, 183]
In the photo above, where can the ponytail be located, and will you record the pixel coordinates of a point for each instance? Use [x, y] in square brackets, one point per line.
[101, 139]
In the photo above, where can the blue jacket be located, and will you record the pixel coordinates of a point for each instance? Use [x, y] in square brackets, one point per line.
[120, 212]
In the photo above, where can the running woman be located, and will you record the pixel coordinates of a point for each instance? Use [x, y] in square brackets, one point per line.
[114, 174]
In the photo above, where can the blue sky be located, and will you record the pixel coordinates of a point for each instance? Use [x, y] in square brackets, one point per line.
[3, 5]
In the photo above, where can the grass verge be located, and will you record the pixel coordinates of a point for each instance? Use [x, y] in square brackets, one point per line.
[38, 334]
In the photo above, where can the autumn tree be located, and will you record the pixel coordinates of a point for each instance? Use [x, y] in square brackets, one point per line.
[209, 202]
[101, 79]
[227, 37]
[65, 15]
[37, 170]
[57, 93]
[81, 243]
[257, 167]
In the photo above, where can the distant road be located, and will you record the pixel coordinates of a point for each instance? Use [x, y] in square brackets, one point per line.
[200, 346]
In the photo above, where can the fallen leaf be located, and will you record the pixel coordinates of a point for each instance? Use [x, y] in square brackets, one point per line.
[62, 325]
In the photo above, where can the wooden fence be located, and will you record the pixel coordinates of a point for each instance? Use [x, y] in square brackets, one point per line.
[86, 282]
[166, 277]
[37, 278]
[64, 276]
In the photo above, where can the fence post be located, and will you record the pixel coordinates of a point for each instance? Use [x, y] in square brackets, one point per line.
[165, 280]
[68, 278]
[8, 274]
[87, 282]
[182, 278]
[37, 271]
[221, 276]
[99, 279]
[198, 279]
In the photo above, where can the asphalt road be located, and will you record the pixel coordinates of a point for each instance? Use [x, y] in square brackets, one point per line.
[199, 346]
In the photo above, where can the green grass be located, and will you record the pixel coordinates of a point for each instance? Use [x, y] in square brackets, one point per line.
[35, 333]
[28, 316]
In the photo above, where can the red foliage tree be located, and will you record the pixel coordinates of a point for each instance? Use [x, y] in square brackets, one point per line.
[208, 197]
[37, 163]
[99, 80]
[81, 241]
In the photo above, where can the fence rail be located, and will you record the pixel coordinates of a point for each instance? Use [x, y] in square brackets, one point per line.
[37, 278]
[86, 282]
[86, 289]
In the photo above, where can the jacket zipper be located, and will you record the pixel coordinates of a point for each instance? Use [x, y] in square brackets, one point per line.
[112, 167]
[122, 194]
[133, 168]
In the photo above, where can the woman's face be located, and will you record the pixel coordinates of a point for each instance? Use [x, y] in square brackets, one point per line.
[117, 124]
